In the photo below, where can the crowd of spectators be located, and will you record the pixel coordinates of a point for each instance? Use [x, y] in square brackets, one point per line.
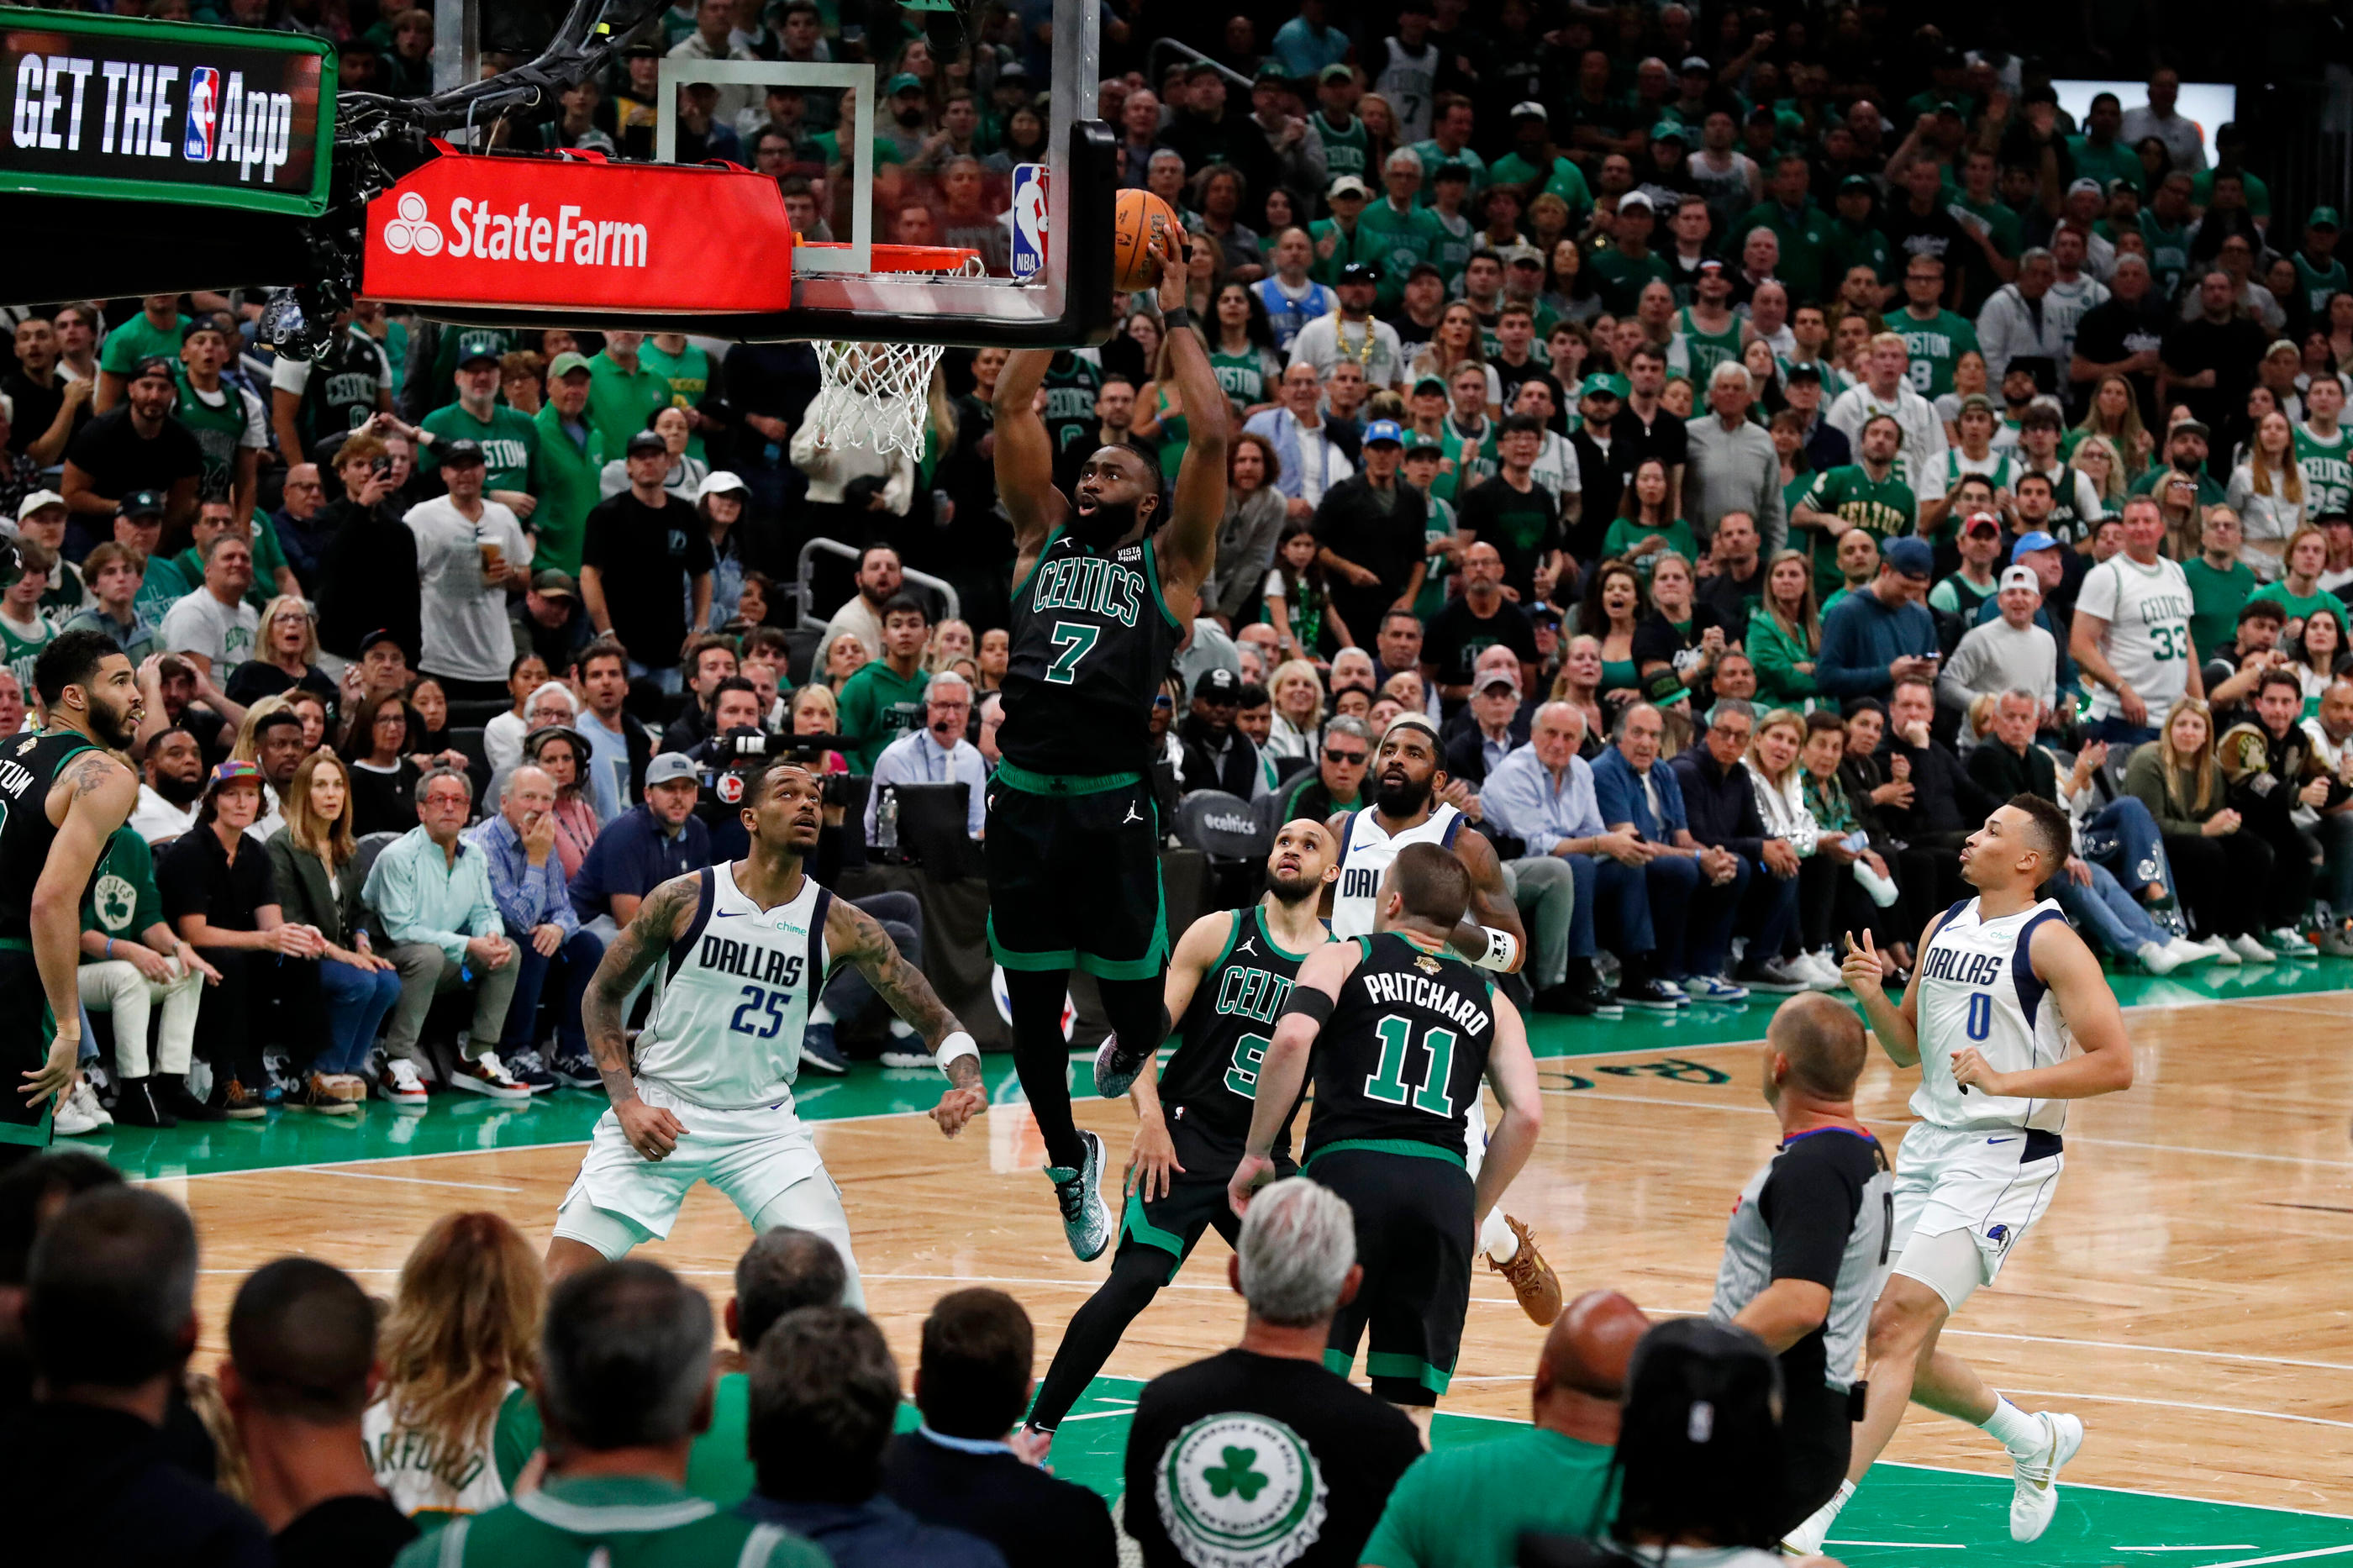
[483, 1416]
[1757, 447]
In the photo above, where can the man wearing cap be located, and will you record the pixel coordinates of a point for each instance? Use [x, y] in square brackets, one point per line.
[1217, 755]
[1622, 267]
[506, 438]
[2131, 633]
[1875, 638]
[568, 458]
[1370, 534]
[2181, 483]
[469, 550]
[1980, 543]
[227, 421]
[2054, 565]
[1855, 238]
[1293, 299]
[1344, 238]
[2318, 272]
[1497, 728]
[154, 334]
[2008, 653]
[644, 553]
[1351, 332]
[647, 845]
[1535, 166]
[138, 447]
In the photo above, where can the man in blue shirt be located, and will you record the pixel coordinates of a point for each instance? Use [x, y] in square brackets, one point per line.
[937, 753]
[1541, 795]
[1879, 635]
[527, 884]
[646, 847]
[1673, 890]
[825, 1395]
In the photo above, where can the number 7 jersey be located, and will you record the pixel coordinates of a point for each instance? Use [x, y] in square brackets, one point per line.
[1401, 1058]
[1091, 638]
[725, 1033]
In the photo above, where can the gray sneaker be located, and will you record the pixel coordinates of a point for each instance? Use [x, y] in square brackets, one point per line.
[1086, 1223]
[1116, 1070]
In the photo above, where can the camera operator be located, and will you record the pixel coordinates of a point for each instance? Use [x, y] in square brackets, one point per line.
[734, 717]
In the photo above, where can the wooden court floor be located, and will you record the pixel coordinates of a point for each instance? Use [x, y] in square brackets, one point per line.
[2186, 1295]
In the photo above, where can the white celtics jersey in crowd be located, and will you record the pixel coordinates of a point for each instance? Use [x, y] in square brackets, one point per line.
[2147, 609]
[737, 991]
[1365, 854]
[1977, 989]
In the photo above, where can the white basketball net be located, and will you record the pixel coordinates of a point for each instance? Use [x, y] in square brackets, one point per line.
[874, 395]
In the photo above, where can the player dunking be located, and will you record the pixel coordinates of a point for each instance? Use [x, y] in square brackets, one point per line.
[746, 946]
[1231, 976]
[61, 798]
[1103, 594]
[1402, 1031]
[2001, 986]
[1407, 776]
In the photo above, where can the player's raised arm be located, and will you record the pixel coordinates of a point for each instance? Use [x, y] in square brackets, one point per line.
[1512, 1074]
[1490, 934]
[661, 919]
[1188, 546]
[1282, 1073]
[104, 792]
[2080, 990]
[1896, 1024]
[856, 937]
[1025, 452]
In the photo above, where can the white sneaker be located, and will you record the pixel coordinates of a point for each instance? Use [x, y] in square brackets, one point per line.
[401, 1085]
[2035, 1496]
[485, 1075]
[2251, 949]
[1806, 1539]
[1825, 966]
[2184, 951]
[80, 1112]
[2222, 951]
[2156, 958]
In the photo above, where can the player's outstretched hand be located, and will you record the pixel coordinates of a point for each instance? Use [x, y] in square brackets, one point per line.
[57, 1073]
[956, 1107]
[651, 1130]
[1864, 965]
[1169, 247]
[1255, 1172]
[1150, 1159]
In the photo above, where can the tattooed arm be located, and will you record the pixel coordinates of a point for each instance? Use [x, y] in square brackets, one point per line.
[89, 799]
[661, 919]
[853, 936]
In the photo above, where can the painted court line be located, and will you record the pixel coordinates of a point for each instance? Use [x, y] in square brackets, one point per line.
[2283, 1557]
[2183, 1405]
[418, 1180]
[1908, 1545]
[2225, 1546]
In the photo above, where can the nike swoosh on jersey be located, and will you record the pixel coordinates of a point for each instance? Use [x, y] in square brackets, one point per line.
[2002, 1139]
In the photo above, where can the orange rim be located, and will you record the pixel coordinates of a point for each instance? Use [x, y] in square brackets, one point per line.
[902, 257]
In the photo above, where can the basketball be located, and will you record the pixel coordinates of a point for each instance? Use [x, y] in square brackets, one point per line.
[1140, 213]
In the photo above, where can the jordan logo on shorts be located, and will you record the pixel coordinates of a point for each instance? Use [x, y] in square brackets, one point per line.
[1133, 815]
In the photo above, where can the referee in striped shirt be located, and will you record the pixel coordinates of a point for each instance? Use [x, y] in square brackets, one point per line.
[1807, 1249]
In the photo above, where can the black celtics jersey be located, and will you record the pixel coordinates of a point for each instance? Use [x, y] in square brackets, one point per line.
[1091, 640]
[1072, 384]
[1210, 1084]
[1401, 1058]
[28, 766]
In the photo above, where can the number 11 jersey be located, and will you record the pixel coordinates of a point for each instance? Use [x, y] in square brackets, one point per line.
[1091, 637]
[1401, 1058]
[737, 991]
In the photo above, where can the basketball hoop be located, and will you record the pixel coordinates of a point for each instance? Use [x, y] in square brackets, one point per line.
[875, 396]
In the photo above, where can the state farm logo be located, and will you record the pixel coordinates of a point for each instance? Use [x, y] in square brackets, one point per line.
[484, 232]
[414, 229]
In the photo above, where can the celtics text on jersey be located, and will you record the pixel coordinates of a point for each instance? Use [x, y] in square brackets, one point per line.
[1210, 1083]
[1091, 637]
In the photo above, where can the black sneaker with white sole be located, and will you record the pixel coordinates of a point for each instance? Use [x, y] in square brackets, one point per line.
[1117, 1069]
[818, 1050]
[528, 1069]
[576, 1072]
[1651, 995]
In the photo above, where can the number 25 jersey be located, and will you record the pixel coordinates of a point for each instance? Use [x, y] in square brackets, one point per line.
[737, 991]
[1401, 1058]
[1089, 639]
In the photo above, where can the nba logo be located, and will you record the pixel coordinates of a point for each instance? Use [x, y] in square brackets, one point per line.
[1029, 218]
[204, 114]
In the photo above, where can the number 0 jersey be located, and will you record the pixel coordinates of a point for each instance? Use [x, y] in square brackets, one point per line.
[1977, 989]
[1366, 852]
[1212, 1083]
[737, 991]
[1402, 1054]
[1090, 639]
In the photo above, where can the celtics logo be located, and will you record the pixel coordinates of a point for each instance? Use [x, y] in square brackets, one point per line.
[1239, 1491]
[116, 901]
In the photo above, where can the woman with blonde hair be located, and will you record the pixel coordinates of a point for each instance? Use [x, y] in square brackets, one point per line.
[1380, 120]
[311, 863]
[1298, 694]
[2267, 492]
[1456, 342]
[951, 640]
[843, 656]
[2095, 459]
[1776, 780]
[454, 1422]
[2115, 412]
[286, 655]
[2219, 870]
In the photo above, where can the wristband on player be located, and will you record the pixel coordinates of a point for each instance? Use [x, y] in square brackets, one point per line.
[1172, 319]
[956, 1047]
[1502, 951]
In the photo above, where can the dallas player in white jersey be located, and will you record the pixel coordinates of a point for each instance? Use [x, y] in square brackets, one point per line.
[709, 1097]
[1406, 778]
[2002, 991]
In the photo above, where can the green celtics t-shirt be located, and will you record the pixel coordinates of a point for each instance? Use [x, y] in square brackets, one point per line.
[1405, 240]
[689, 375]
[2319, 283]
[1464, 1505]
[509, 440]
[1243, 375]
[1620, 279]
[2298, 606]
[1564, 180]
[1703, 350]
[1347, 148]
[1883, 507]
[2114, 161]
[2215, 598]
[218, 422]
[1935, 345]
[20, 646]
[877, 706]
[1450, 244]
[1434, 158]
[1854, 245]
[1625, 533]
[1071, 386]
[139, 338]
[2327, 474]
[1473, 457]
[2168, 252]
[123, 899]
